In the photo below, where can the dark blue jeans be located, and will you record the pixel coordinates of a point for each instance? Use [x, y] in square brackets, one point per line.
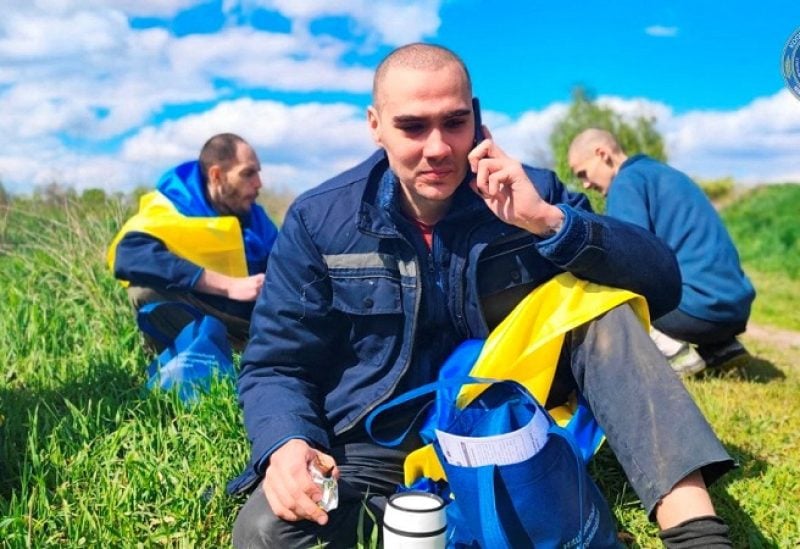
[369, 474]
[651, 422]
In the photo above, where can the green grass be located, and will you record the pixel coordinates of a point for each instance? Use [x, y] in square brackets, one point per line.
[90, 458]
[765, 224]
[87, 456]
[777, 299]
[755, 415]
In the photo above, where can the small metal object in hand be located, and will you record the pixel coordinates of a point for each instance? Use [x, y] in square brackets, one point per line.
[320, 474]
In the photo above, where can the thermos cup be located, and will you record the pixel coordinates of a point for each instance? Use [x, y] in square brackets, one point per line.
[414, 520]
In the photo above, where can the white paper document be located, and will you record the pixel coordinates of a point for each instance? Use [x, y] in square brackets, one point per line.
[502, 449]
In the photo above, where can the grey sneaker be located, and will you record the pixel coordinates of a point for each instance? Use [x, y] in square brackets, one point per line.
[724, 357]
[687, 361]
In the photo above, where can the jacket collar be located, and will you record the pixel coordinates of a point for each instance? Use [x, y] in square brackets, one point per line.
[380, 203]
[632, 160]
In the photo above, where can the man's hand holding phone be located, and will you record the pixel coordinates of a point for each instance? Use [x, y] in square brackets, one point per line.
[505, 187]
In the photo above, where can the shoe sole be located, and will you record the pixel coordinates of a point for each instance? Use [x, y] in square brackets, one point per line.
[733, 365]
[692, 370]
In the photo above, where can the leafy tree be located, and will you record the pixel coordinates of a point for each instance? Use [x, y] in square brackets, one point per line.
[634, 136]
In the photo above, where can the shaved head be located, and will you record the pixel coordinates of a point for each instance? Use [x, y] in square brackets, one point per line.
[592, 138]
[417, 56]
[595, 158]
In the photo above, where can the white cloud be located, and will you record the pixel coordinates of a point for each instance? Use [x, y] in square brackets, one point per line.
[392, 22]
[636, 107]
[27, 165]
[526, 138]
[106, 95]
[270, 60]
[757, 143]
[299, 146]
[53, 37]
[152, 8]
[661, 31]
[87, 73]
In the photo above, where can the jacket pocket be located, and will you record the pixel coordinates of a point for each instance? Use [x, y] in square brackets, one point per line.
[515, 261]
[372, 310]
[366, 295]
[507, 271]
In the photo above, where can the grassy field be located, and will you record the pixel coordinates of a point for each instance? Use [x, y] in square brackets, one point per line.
[90, 458]
[766, 228]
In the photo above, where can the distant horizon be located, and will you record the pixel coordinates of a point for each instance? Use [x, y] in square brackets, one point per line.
[110, 94]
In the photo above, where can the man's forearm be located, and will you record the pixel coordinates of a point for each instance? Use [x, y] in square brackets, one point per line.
[547, 223]
[619, 254]
[211, 282]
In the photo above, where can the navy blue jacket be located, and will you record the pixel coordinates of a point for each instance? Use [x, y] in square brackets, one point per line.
[333, 331]
[666, 202]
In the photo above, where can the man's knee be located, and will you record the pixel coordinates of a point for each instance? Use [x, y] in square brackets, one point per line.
[142, 295]
[167, 320]
[616, 331]
[611, 344]
[256, 525]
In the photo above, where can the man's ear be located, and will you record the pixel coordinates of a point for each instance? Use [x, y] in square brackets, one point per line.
[214, 175]
[604, 155]
[374, 125]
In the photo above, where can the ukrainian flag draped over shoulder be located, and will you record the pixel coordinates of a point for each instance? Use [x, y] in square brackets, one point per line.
[525, 347]
[178, 214]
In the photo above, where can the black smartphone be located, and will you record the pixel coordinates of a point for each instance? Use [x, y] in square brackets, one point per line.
[476, 111]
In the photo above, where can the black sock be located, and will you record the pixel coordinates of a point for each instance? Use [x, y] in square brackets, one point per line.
[707, 532]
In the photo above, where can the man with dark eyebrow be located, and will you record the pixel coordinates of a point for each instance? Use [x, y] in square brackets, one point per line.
[381, 272]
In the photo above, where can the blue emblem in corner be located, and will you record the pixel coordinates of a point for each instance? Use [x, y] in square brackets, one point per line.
[790, 63]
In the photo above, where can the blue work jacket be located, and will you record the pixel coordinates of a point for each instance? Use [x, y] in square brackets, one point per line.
[334, 329]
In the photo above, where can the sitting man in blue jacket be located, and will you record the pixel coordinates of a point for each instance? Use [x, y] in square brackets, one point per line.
[716, 297]
[199, 238]
[378, 274]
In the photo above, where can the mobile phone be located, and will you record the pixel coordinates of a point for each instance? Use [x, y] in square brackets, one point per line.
[476, 111]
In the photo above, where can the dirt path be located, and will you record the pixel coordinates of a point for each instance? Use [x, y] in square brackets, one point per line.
[775, 336]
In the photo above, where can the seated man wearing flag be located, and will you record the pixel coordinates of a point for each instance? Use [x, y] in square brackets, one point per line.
[199, 238]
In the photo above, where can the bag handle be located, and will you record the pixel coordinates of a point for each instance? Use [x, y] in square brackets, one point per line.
[429, 388]
[487, 476]
[144, 313]
[494, 529]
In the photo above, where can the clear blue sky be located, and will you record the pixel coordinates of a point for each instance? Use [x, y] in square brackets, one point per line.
[111, 93]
